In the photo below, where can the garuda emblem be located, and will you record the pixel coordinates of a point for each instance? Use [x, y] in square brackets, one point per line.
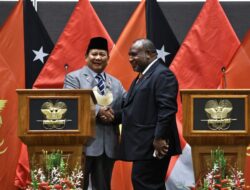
[54, 115]
[218, 114]
[2, 105]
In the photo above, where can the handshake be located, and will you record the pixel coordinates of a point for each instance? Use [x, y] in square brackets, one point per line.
[106, 115]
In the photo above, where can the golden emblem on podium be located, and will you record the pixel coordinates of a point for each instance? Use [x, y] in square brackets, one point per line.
[218, 114]
[54, 115]
[2, 105]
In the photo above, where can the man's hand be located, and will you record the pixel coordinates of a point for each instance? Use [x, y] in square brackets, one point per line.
[161, 147]
[106, 114]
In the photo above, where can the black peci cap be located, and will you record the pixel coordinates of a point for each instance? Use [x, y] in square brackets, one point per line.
[97, 43]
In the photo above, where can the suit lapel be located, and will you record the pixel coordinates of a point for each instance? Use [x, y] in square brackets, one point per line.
[88, 76]
[135, 87]
[130, 92]
[108, 82]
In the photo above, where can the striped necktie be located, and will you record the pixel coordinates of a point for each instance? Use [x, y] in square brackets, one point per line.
[100, 83]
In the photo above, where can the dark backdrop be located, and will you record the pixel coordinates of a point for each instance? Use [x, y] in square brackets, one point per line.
[115, 15]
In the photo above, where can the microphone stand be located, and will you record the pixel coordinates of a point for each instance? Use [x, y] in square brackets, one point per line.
[66, 66]
[223, 70]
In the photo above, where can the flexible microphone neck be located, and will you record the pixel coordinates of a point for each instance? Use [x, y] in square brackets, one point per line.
[224, 85]
[66, 66]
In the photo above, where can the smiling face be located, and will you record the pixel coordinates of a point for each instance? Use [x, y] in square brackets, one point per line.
[138, 57]
[97, 60]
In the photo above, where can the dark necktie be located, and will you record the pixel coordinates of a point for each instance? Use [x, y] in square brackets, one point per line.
[100, 83]
[139, 78]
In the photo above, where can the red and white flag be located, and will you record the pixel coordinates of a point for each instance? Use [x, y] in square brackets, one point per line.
[237, 77]
[12, 77]
[69, 51]
[208, 47]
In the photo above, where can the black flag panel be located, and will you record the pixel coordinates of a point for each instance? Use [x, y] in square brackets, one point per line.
[38, 44]
[160, 32]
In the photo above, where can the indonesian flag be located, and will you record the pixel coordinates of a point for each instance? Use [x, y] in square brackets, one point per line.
[24, 48]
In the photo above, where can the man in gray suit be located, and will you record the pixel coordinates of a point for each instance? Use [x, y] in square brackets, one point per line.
[102, 151]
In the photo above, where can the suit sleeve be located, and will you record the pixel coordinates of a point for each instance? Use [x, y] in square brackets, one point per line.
[118, 112]
[166, 90]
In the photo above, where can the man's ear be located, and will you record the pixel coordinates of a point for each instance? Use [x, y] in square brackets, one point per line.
[86, 58]
[148, 55]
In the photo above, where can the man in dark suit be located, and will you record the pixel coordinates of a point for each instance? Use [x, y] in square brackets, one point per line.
[102, 151]
[149, 133]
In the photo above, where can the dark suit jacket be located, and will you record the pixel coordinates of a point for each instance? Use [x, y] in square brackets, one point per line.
[149, 112]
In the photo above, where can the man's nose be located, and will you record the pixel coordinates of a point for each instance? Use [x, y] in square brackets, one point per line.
[98, 56]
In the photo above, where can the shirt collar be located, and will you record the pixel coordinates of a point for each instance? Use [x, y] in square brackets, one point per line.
[150, 65]
[94, 74]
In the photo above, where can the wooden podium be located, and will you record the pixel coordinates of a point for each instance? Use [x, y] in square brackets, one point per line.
[216, 118]
[56, 119]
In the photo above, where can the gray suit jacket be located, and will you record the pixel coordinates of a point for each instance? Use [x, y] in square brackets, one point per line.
[107, 136]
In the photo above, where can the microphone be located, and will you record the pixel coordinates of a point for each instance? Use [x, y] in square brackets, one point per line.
[224, 80]
[66, 66]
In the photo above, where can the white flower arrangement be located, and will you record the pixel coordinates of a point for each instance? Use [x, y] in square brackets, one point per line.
[222, 176]
[55, 174]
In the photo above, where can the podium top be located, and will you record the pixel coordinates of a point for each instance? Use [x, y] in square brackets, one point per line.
[56, 92]
[216, 91]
